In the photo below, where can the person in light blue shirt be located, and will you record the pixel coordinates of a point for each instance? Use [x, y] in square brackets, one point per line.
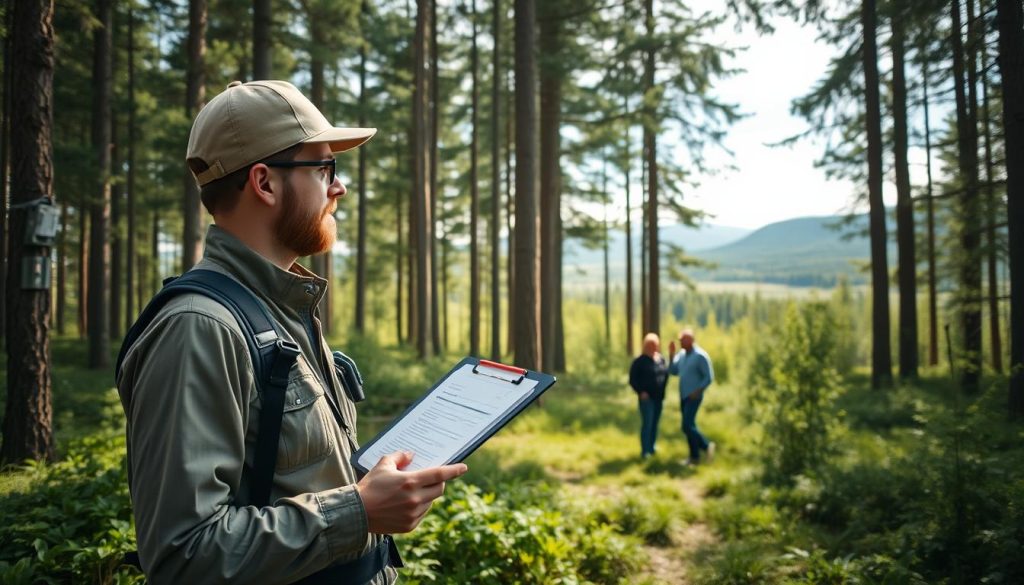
[693, 366]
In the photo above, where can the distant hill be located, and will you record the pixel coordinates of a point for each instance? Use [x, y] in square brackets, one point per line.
[804, 251]
[694, 239]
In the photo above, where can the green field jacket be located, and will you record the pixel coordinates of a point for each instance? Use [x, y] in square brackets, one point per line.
[188, 390]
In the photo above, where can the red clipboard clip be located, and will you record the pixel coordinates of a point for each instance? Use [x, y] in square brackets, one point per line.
[498, 366]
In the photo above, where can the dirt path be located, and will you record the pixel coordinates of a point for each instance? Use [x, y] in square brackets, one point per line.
[673, 563]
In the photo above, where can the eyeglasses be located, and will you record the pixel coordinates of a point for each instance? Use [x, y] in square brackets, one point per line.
[327, 163]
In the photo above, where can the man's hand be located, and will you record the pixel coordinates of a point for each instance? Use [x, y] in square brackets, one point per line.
[644, 396]
[671, 350]
[395, 500]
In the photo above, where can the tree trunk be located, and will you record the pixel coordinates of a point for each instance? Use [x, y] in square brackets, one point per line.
[116, 241]
[527, 341]
[130, 181]
[27, 426]
[155, 275]
[933, 304]
[412, 299]
[881, 357]
[968, 210]
[421, 192]
[62, 258]
[1011, 67]
[629, 245]
[399, 256]
[495, 227]
[195, 91]
[5, 157]
[643, 240]
[360, 309]
[604, 238]
[991, 217]
[321, 263]
[904, 209]
[551, 77]
[433, 109]
[474, 199]
[509, 216]
[83, 266]
[261, 21]
[651, 146]
[99, 208]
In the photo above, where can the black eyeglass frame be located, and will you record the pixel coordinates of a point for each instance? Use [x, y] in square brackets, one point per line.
[289, 164]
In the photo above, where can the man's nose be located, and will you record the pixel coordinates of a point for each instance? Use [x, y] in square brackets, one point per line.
[338, 188]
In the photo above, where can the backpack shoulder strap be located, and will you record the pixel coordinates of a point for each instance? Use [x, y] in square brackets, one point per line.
[272, 357]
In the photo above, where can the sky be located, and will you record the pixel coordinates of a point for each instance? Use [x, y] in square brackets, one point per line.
[770, 183]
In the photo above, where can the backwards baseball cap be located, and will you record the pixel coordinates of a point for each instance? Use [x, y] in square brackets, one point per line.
[250, 121]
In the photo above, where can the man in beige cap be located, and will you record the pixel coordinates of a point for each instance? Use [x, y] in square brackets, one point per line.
[263, 157]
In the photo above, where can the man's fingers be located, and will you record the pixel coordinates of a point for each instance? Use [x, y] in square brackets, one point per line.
[396, 460]
[440, 474]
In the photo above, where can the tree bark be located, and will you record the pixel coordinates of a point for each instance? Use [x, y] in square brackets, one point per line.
[881, 358]
[399, 256]
[360, 309]
[527, 330]
[629, 244]
[551, 76]
[474, 199]
[651, 146]
[195, 91]
[116, 241]
[28, 426]
[495, 226]
[991, 217]
[1011, 66]
[933, 304]
[510, 205]
[62, 258]
[421, 192]
[130, 180]
[968, 210]
[433, 108]
[604, 238]
[99, 207]
[5, 157]
[904, 209]
[83, 265]
[321, 262]
[261, 21]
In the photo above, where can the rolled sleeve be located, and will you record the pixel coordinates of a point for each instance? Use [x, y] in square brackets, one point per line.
[345, 516]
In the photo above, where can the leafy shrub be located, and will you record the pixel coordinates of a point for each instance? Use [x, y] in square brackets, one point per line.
[476, 537]
[72, 525]
[795, 384]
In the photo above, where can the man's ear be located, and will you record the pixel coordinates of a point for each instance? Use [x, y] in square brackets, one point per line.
[261, 185]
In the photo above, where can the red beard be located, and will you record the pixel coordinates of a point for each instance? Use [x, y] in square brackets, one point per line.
[304, 230]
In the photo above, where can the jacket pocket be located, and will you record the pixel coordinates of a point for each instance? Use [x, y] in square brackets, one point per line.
[305, 430]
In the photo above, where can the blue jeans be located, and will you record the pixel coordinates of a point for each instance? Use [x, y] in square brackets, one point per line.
[650, 413]
[696, 440]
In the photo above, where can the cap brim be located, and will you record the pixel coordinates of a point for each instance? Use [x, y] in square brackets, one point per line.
[342, 139]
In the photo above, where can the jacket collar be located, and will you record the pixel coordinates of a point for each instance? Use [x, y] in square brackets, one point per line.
[294, 287]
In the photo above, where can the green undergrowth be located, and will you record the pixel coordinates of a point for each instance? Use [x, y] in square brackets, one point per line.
[511, 520]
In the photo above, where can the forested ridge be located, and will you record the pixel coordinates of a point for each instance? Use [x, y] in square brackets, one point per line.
[870, 431]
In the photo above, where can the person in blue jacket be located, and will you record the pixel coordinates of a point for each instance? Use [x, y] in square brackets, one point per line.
[648, 375]
[693, 366]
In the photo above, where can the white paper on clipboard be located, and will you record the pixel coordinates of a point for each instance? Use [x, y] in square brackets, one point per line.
[464, 407]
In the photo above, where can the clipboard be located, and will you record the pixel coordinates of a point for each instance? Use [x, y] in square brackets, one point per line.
[460, 412]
